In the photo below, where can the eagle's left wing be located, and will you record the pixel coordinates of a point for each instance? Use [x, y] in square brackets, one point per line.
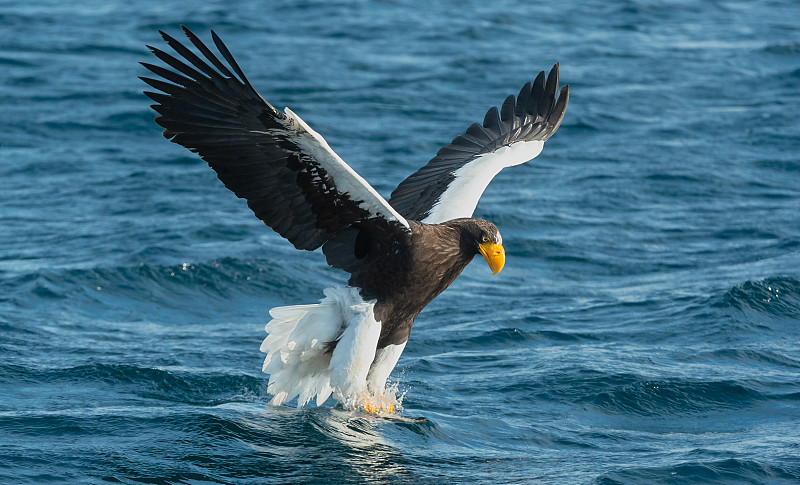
[451, 184]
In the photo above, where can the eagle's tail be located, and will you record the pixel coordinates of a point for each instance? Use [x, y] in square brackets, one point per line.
[299, 358]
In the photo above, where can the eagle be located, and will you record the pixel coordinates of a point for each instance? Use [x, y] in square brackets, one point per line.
[400, 254]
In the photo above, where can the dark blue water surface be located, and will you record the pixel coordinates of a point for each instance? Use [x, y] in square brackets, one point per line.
[646, 328]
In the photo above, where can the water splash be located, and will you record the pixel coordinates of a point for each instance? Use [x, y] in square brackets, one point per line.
[387, 403]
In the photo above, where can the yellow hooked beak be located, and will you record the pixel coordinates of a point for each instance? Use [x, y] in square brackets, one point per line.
[494, 254]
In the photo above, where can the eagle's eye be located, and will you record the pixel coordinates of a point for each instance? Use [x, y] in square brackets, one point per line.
[485, 239]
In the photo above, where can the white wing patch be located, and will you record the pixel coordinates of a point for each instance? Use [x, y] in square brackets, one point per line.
[464, 192]
[347, 180]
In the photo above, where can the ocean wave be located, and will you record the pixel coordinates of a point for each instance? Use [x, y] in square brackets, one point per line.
[754, 356]
[221, 279]
[8, 61]
[645, 397]
[781, 166]
[175, 444]
[628, 394]
[791, 49]
[506, 337]
[721, 471]
[773, 297]
[178, 386]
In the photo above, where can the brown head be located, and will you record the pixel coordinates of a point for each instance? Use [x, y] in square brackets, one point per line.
[479, 236]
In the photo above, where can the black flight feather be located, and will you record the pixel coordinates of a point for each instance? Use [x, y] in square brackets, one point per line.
[254, 149]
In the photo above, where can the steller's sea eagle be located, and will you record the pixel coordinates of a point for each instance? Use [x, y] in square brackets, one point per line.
[400, 253]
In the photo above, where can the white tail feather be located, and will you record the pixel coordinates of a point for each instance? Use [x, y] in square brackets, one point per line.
[297, 359]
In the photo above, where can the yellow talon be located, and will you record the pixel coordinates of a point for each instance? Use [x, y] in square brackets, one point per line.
[376, 404]
[368, 405]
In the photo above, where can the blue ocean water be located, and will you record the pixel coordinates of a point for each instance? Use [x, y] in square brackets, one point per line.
[645, 330]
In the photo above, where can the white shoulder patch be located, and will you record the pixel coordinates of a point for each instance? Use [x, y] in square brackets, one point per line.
[347, 180]
[462, 195]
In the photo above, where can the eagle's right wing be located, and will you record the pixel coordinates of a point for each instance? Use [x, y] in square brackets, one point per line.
[292, 180]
